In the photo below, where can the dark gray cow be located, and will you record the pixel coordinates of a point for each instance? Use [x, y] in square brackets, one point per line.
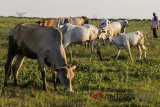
[42, 43]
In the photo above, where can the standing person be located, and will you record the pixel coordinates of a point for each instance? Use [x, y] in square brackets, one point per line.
[154, 25]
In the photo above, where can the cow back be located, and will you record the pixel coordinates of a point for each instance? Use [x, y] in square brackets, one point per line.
[33, 40]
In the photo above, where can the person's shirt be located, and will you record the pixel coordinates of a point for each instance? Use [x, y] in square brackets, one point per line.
[155, 22]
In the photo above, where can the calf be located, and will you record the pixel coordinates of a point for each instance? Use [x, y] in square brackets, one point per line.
[128, 40]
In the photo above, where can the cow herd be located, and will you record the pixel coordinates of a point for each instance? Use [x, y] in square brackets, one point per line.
[47, 44]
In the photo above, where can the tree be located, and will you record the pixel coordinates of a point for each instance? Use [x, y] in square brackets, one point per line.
[20, 14]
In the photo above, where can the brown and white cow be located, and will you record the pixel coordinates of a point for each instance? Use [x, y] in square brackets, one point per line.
[41, 43]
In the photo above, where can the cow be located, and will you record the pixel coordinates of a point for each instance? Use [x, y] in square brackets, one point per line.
[44, 44]
[49, 22]
[73, 20]
[114, 28]
[74, 34]
[136, 38]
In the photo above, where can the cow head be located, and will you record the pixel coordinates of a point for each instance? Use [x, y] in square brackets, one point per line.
[126, 23]
[85, 20]
[40, 22]
[65, 76]
[103, 23]
[103, 26]
[102, 34]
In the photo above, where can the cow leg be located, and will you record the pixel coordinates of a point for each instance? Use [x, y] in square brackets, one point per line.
[144, 48]
[8, 67]
[54, 74]
[140, 52]
[119, 50]
[12, 51]
[87, 44]
[98, 50]
[16, 67]
[91, 49]
[84, 48]
[43, 72]
[129, 52]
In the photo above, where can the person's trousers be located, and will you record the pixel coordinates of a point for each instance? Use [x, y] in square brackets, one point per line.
[155, 32]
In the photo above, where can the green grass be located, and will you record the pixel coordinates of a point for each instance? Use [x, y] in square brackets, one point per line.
[122, 82]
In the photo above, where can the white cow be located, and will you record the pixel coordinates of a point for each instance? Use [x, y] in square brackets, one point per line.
[114, 28]
[128, 40]
[74, 34]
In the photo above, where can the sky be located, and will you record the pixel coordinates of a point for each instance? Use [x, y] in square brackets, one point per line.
[130, 9]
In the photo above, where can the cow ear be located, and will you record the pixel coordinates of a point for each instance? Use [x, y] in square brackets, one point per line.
[73, 67]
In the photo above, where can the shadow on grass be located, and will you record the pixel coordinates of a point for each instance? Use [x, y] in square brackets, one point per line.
[148, 61]
[30, 84]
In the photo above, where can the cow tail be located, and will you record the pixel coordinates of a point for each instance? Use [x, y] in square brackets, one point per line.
[145, 37]
[12, 47]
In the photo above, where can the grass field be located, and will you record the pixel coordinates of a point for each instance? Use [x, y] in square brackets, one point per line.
[120, 83]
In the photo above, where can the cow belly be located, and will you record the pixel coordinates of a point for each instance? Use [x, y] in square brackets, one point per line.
[133, 40]
[26, 51]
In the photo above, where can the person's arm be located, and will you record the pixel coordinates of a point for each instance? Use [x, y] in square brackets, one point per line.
[157, 23]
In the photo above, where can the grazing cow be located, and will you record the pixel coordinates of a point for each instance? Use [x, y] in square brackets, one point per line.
[128, 40]
[41, 43]
[49, 22]
[74, 34]
[114, 28]
[73, 20]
